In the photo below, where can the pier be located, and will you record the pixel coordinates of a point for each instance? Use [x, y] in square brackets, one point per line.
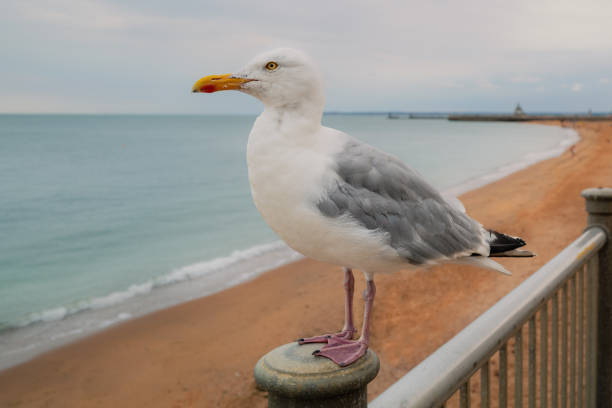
[527, 118]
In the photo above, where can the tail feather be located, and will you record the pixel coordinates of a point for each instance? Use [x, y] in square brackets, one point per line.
[514, 253]
[483, 262]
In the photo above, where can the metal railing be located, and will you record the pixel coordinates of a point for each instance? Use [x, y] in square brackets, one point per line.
[560, 318]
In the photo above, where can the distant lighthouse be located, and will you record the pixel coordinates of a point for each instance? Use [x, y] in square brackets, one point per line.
[518, 111]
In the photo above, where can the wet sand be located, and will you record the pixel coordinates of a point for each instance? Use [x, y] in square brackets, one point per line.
[202, 353]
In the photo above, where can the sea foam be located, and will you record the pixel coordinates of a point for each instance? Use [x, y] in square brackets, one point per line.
[50, 328]
[254, 261]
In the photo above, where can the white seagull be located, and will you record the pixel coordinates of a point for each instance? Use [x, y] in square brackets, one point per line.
[334, 198]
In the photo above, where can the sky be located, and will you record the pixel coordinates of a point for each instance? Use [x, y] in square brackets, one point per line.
[142, 56]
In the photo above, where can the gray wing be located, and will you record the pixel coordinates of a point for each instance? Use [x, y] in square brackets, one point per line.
[381, 193]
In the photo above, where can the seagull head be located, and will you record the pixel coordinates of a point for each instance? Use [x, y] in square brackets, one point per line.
[283, 78]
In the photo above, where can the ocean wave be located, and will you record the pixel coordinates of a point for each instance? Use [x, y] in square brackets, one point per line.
[185, 273]
[206, 267]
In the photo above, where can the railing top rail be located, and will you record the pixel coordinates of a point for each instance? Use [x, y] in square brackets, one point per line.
[436, 378]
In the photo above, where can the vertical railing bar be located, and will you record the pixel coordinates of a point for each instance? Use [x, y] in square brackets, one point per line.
[572, 356]
[580, 275]
[503, 376]
[589, 334]
[564, 347]
[464, 395]
[518, 368]
[531, 352]
[485, 389]
[554, 364]
[544, 356]
[593, 275]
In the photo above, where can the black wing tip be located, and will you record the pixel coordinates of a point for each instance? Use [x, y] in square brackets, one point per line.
[501, 242]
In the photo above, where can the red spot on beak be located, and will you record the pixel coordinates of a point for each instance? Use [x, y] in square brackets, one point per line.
[208, 88]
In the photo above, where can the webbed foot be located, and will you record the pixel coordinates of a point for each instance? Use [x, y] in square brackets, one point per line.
[344, 353]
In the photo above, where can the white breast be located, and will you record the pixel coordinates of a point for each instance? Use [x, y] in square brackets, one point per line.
[289, 169]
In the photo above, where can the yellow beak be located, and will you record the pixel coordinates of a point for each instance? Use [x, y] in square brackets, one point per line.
[214, 83]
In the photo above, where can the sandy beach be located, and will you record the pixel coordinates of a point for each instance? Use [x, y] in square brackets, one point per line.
[202, 353]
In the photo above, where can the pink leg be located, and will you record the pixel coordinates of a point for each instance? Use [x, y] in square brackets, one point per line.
[349, 329]
[348, 352]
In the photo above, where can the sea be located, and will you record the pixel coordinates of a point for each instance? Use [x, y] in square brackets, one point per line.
[104, 218]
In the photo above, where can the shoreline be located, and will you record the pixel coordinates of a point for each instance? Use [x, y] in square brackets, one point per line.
[505, 170]
[141, 299]
[202, 352]
[58, 326]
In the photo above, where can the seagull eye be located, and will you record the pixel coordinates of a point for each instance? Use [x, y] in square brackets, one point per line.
[271, 66]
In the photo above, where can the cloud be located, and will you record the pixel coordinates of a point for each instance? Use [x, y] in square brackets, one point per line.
[133, 54]
[525, 79]
[487, 84]
[562, 25]
[604, 81]
[577, 87]
[85, 14]
[451, 84]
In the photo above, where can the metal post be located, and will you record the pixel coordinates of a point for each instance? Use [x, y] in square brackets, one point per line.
[295, 378]
[599, 208]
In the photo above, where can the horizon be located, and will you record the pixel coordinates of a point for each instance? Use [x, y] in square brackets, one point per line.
[330, 112]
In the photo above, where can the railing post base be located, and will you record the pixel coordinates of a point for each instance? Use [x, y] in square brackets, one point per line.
[599, 208]
[295, 378]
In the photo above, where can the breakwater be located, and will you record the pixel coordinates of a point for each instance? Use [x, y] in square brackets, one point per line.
[527, 118]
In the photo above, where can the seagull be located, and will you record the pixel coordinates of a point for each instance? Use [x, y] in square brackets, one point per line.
[336, 199]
